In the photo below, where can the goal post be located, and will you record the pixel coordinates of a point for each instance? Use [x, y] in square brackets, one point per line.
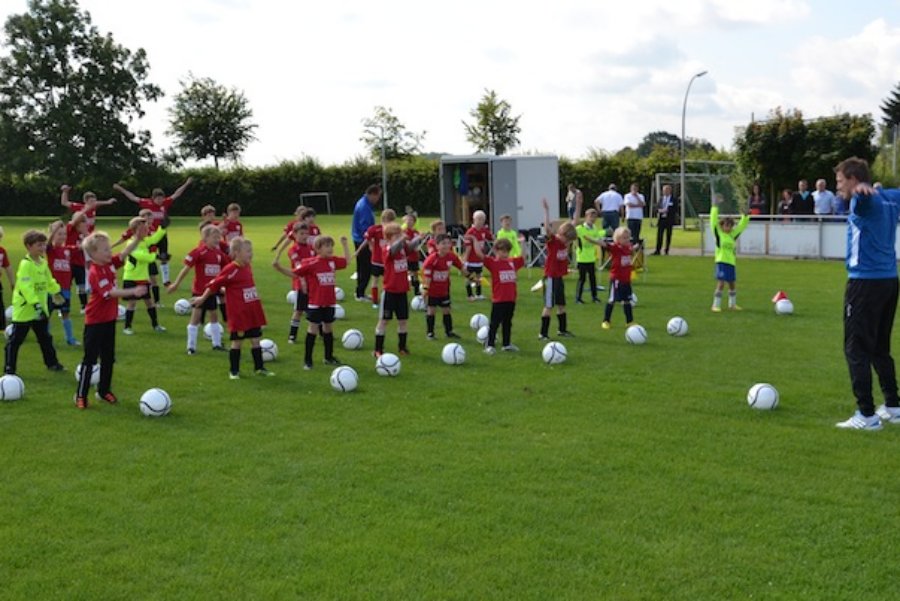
[319, 201]
[716, 178]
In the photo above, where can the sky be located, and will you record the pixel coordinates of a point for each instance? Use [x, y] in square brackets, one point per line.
[583, 74]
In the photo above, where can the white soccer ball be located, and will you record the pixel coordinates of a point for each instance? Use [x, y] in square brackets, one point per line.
[182, 306]
[292, 298]
[122, 311]
[338, 293]
[339, 312]
[482, 334]
[8, 331]
[95, 374]
[418, 303]
[12, 388]
[677, 326]
[155, 403]
[387, 365]
[762, 396]
[8, 313]
[352, 340]
[453, 354]
[554, 353]
[784, 307]
[636, 335]
[269, 349]
[633, 299]
[478, 321]
[211, 327]
[344, 379]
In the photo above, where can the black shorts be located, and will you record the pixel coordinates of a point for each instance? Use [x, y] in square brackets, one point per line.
[128, 284]
[619, 291]
[554, 292]
[394, 304]
[377, 270]
[302, 301]
[162, 248]
[78, 276]
[320, 315]
[210, 304]
[247, 334]
[412, 266]
[439, 301]
[476, 269]
[153, 268]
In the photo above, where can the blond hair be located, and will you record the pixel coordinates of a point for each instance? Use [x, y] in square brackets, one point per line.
[388, 215]
[323, 241]
[90, 244]
[622, 232]
[233, 207]
[237, 244]
[135, 222]
[54, 227]
[208, 230]
[567, 231]
[391, 230]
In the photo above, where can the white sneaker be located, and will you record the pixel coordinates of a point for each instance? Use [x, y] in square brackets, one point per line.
[887, 414]
[860, 422]
[489, 350]
[511, 348]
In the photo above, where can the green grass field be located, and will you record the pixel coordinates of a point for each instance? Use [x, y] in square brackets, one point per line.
[625, 473]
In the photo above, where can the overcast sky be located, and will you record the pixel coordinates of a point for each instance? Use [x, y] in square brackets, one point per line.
[583, 74]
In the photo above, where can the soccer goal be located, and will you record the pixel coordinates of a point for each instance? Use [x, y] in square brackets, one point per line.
[703, 181]
[318, 201]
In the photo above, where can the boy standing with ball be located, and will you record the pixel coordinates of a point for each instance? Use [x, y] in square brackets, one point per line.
[620, 269]
[396, 285]
[504, 284]
[436, 287]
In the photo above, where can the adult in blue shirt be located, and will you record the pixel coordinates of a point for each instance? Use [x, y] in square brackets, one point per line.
[870, 300]
[363, 219]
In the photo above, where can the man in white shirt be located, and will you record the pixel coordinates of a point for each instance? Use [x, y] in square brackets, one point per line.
[667, 212]
[634, 212]
[823, 199]
[609, 205]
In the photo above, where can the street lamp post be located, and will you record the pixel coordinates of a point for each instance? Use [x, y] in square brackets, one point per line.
[384, 192]
[683, 114]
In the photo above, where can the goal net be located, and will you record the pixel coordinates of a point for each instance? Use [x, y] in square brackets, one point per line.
[320, 202]
[703, 181]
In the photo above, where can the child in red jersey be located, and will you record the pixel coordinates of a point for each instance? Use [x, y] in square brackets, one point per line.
[477, 235]
[59, 259]
[436, 287]
[410, 231]
[152, 268]
[375, 240]
[88, 205]
[556, 266]
[318, 275]
[503, 293]
[76, 231]
[308, 216]
[620, 269]
[159, 204]
[231, 223]
[437, 228]
[7, 267]
[287, 235]
[101, 315]
[300, 251]
[207, 261]
[245, 311]
[396, 285]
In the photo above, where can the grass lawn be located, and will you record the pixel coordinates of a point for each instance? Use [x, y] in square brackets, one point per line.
[628, 472]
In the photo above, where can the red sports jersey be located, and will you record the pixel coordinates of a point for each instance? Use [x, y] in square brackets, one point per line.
[102, 307]
[245, 310]
[557, 263]
[503, 277]
[620, 266]
[297, 254]
[320, 281]
[74, 238]
[410, 234]
[207, 263]
[396, 270]
[432, 246]
[4, 258]
[376, 234]
[159, 210]
[437, 268]
[90, 216]
[481, 235]
[59, 258]
[314, 230]
[233, 229]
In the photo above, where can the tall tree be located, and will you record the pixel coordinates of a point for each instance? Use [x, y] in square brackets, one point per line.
[890, 108]
[494, 129]
[399, 142]
[68, 95]
[670, 140]
[210, 120]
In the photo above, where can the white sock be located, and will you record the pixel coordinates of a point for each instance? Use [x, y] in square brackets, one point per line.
[732, 299]
[164, 268]
[192, 336]
[217, 337]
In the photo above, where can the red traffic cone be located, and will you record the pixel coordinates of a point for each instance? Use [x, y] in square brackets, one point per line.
[779, 296]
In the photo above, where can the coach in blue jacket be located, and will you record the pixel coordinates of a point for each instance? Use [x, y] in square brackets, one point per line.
[363, 219]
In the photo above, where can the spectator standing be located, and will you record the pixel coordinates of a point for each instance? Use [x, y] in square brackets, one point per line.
[785, 207]
[823, 199]
[634, 212]
[363, 219]
[572, 194]
[667, 213]
[609, 205]
[802, 202]
[756, 203]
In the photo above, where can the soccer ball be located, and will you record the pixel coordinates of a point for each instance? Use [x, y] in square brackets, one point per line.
[478, 321]
[636, 335]
[8, 313]
[352, 340]
[387, 365]
[155, 403]
[418, 303]
[482, 334]
[182, 306]
[209, 328]
[269, 349]
[784, 307]
[292, 298]
[633, 299]
[453, 354]
[12, 388]
[339, 312]
[122, 312]
[95, 374]
[338, 293]
[677, 326]
[8, 331]
[762, 396]
[344, 379]
[554, 353]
